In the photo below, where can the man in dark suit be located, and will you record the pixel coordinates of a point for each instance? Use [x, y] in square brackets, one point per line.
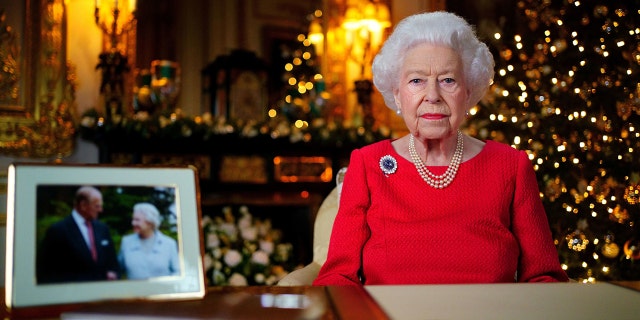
[79, 247]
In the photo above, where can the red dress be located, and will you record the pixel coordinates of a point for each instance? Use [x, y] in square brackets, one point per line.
[487, 226]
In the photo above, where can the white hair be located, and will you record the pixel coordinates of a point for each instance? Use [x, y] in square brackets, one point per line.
[151, 213]
[441, 28]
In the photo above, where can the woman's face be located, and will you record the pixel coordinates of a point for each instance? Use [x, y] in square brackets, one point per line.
[140, 225]
[432, 94]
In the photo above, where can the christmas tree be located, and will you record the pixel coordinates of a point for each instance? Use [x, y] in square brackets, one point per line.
[567, 90]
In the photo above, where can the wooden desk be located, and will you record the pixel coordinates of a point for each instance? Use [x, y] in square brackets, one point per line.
[246, 303]
[509, 301]
[475, 301]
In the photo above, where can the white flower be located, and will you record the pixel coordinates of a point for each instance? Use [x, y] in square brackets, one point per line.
[206, 221]
[249, 233]
[232, 258]
[282, 250]
[218, 277]
[245, 221]
[266, 246]
[259, 278]
[213, 241]
[237, 279]
[88, 122]
[230, 229]
[216, 253]
[260, 257]
[208, 262]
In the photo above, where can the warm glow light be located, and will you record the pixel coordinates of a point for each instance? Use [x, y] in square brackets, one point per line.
[115, 18]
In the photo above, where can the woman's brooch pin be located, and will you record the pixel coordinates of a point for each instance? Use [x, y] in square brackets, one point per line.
[388, 165]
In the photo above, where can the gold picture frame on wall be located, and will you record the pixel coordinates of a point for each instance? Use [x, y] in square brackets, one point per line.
[37, 86]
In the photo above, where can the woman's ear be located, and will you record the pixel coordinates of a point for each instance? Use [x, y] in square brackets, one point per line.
[397, 101]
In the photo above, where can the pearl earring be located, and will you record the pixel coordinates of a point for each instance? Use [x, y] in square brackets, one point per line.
[398, 112]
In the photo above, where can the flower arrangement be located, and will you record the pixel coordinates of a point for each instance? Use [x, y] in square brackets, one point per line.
[242, 250]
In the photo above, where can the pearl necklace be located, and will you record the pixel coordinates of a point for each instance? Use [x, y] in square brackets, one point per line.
[443, 180]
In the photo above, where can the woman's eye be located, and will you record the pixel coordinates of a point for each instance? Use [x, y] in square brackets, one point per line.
[448, 80]
[415, 81]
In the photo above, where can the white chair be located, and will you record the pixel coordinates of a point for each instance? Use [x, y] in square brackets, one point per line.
[321, 236]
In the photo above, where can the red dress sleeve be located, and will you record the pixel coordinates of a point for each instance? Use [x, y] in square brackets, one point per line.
[350, 230]
[538, 258]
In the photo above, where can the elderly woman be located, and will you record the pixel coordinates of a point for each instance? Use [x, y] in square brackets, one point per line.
[148, 252]
[438, 206]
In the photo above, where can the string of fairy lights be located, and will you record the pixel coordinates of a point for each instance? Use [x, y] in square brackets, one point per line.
[567, 90]
[306, 94]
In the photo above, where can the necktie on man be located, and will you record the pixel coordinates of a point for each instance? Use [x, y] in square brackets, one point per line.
[92, 241]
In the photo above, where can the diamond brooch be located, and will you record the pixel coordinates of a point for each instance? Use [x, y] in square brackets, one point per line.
[388, 165]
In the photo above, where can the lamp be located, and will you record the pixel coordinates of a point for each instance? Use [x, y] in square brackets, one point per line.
[109, 22]
[113, 62]
[364, 24]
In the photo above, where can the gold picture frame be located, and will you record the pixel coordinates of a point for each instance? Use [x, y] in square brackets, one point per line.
[37, 90]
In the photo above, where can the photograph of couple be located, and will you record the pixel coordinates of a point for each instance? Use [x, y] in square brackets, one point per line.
[101, 233]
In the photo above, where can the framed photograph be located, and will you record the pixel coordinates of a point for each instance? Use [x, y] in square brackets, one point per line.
[81, 233]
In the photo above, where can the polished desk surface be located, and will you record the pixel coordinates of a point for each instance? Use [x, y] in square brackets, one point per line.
[407, 302]
[246, 303]
[564, 301]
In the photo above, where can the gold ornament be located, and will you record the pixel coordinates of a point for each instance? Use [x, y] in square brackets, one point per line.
[619, 215]
[610, 250]
[632, 249]
[577, 240]
[632, 194]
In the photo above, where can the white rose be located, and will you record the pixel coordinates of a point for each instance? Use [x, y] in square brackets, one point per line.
[213, 241]
[232, 258]
[259, 278]
[208, 262]
[230, 229]
[237, 279]
[266, 246]
[217, 253]
[250, 233]
[260, 257]
[245, 221]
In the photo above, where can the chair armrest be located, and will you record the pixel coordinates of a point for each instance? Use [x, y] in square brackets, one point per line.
[301, 277]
